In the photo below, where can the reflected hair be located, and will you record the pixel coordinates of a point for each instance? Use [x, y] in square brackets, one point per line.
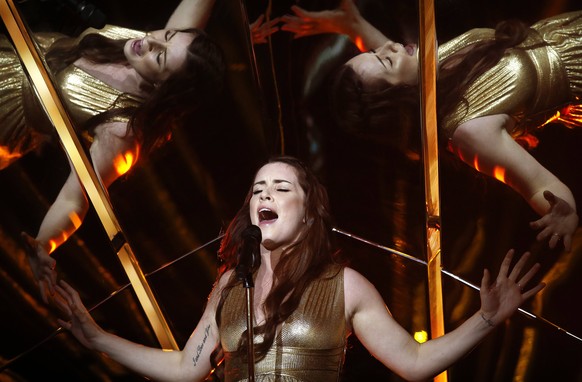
[372, 113]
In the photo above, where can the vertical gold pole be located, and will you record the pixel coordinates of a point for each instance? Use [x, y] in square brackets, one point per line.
[51, 102]
[428, 65]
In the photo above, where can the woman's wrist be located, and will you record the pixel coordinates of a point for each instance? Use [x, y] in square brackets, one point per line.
[487, 320]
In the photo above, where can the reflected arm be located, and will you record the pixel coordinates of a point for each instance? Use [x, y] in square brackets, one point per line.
[109, 148]
[190, 14]
[346, 20]
[485, 144]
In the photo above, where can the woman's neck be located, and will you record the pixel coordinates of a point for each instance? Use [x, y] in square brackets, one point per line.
[119, 76]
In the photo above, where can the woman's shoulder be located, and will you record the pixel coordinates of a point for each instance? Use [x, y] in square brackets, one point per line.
[355, 281]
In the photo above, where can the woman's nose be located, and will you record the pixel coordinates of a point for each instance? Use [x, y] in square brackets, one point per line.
[389, 47]
[265, 195]
[152, 43]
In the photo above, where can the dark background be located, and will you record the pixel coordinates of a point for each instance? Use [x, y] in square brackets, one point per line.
[186, 193]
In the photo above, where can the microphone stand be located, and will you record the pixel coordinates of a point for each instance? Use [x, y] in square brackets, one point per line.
[246, 277]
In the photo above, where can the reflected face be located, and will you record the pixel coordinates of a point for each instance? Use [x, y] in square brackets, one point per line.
[277, 205]
[159, 54]
[392, 63]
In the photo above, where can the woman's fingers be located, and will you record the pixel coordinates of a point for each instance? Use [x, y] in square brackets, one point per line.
[528, 276]
[506, 264]
[518, 267]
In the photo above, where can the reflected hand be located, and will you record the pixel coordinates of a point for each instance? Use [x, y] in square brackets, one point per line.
[42, 266]
[260, 31]
[559, 223]
[80, 323]
[306, 23]
[500, 299]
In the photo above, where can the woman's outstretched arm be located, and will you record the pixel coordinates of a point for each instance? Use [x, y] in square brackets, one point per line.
[374, 326]
[190, 364]
[346, 20]
[190, 14]
[485, 144]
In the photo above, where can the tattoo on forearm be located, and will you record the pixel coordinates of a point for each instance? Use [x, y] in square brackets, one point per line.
[200, 347]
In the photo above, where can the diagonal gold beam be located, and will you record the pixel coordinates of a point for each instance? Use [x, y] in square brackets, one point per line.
[81, 164]
[428, 66]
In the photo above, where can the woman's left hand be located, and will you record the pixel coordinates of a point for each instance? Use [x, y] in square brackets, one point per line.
[260, 31]
[559, 223]
[42, 266]
[307, 23]
[500, 299]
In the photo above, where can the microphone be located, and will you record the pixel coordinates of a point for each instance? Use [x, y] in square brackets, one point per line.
[249, 255]
[86, 11]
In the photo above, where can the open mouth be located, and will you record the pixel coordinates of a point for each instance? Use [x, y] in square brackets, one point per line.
[137, 44]
[267, 216]
[410, 49]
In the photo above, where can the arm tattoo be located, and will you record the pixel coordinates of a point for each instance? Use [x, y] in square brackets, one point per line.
[200, 347]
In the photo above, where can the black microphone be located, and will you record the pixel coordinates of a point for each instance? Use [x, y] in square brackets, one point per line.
[249, 256]
[86, 11]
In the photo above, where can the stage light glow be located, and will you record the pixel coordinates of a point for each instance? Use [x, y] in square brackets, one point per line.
[123, 162]
[499, 173]
[421, 336]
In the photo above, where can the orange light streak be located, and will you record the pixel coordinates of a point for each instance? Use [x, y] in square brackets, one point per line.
[53, 246]
[75, 219]
[476, 163]
[570, 116]
[499, 173]
[360, 44]
[7, 154]
[123, 162]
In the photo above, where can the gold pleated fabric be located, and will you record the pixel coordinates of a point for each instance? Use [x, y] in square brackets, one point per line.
[85, 95]
[17, 137]
[309, 346]
[24, 126]
[531, 82]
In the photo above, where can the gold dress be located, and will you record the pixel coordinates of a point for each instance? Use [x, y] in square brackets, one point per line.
[531, 82]
[309, 346]
[24, 126]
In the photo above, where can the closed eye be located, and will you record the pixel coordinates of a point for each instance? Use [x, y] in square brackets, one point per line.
[382, 62]
[162, 56]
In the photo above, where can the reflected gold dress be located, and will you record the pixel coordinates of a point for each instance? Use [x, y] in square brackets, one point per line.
[532, 81]
[24, 126]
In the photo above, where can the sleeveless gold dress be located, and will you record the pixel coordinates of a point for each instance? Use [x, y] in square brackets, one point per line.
[531, 83]
[24, 126]
[309, 346]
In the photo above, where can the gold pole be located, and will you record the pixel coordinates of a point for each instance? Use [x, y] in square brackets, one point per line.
[81, 164]
[428, 65]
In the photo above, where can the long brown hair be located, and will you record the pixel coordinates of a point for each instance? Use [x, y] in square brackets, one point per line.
[184, 93]
[300, 264]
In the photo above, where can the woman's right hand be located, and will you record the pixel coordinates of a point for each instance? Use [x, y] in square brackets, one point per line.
[80, 323]
[260, 30]
[559, 223]
[42, 266]
[306, 23]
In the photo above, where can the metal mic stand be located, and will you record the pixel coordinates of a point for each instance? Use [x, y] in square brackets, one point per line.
[247, 279]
